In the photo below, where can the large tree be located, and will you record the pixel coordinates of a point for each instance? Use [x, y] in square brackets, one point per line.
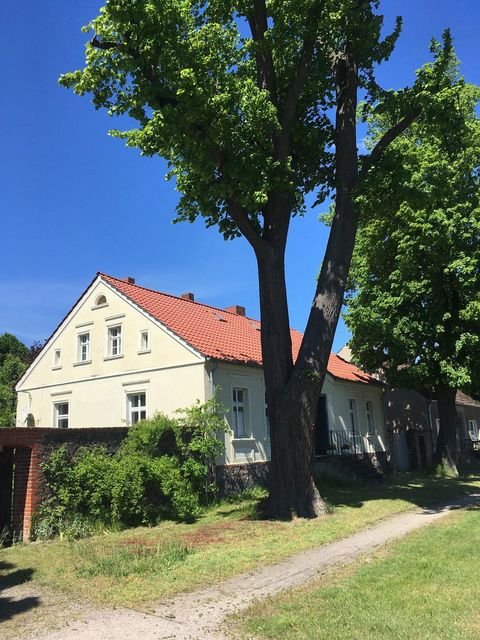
[254, 105]
[414, 308]
[14, 359]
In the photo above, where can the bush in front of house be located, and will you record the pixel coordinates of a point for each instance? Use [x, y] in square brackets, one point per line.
[165, 468]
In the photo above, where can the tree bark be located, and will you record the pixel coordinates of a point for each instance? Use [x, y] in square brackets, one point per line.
[293, 390]
[446, 448]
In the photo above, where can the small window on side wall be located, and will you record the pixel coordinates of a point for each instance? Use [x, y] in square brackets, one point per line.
[100, 301]
[83, 347]
[369, 416]
[136, 407]
[115, 341]
[473, 430]
[144, 345]
[61, 413]
[239, 412]
[57, 358]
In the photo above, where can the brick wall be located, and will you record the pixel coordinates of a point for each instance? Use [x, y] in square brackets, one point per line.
[30, 447]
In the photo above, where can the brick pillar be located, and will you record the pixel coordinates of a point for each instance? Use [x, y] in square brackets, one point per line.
[21, 497]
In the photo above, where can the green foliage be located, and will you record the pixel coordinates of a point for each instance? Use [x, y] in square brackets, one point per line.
[163, 469]
[14, 359]
[414, 302]
[189, 75]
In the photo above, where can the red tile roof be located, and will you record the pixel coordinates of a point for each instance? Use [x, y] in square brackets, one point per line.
[217, 333]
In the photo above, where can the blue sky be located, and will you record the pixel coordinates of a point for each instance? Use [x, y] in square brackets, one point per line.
[74, 201]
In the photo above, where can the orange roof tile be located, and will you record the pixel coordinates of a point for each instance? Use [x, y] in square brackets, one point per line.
[217, 333]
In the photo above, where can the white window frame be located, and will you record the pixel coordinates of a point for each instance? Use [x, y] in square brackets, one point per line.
[473, 429]
[138, 410]
[58, 417]
[144, 341]
[114, 349]
[83, 347]
[240, 408]
[369, 417]
[57, 359]
[353, 415]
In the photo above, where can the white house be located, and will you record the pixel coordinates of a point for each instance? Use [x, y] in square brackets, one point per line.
[124, 352]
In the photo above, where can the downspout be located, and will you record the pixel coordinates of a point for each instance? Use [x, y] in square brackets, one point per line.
[211, 371]
[210, 376]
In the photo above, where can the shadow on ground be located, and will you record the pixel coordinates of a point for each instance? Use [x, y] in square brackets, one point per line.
[11, 577]
[422, 491]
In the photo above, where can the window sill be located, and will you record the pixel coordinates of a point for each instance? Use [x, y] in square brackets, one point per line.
[56, 368]
[99, 306]
[120, 355]
[140, 353]
[243, 439]
[79, 364]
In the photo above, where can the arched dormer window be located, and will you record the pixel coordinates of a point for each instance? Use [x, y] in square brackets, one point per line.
[100, 300]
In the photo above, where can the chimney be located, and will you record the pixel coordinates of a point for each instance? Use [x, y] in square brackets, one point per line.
[188, 296]
[237, 309]
[129, 280]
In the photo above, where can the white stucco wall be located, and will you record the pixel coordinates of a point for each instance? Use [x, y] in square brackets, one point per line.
[339, 392]
[170, 373]
[256, 446]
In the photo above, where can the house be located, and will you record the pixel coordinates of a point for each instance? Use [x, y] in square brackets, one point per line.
[123, 352]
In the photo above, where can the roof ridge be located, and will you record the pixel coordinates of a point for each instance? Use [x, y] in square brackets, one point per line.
[171, 295]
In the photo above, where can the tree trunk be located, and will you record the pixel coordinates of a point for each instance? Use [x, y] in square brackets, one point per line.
[292, 489]
[446, 449]
[293, 391]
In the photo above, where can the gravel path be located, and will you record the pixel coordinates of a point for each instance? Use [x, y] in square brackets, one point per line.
[199, 615]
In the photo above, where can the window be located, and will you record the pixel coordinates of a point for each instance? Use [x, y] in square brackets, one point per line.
[369, 416]
[239, 406]
[352, 410]
[83, 347]
[144, 341]
[57, 358]
[115, 341]
[101, 300]
[473, 429]
[61, 415]
[137, 407]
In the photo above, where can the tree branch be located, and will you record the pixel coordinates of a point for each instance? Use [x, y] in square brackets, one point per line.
[386, 140]
[148, 69]
[240, 217]
[266, 77]
[300, 77]
[100, 44]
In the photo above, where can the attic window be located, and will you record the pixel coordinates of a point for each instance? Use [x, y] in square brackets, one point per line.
[100, 301]
[219, 317]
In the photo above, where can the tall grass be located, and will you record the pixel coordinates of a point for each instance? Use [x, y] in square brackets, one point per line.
[131, 559]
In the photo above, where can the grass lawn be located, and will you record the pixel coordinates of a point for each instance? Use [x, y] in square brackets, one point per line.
[421, 588]
[137, 566]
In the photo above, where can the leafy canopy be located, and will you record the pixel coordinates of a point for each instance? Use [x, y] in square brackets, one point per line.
[222, 91]
[414, 302]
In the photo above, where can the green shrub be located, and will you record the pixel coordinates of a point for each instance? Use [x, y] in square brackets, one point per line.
[165, 468]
